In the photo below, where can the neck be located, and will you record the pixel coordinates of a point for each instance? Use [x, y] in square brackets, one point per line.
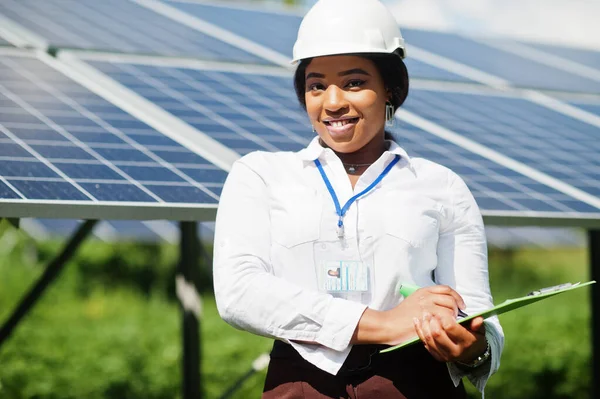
[366, 155]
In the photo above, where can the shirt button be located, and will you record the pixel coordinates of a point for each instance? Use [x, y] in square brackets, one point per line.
[323, 246]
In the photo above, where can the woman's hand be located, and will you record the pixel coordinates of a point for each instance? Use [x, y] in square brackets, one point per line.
[431, 314]
[438, 300]
[395, 326]
[448, 341]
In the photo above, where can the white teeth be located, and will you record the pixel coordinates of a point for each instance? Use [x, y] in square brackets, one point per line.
[340, 123]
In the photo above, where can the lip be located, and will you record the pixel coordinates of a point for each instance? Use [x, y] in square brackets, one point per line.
[343, 118]
[339, 131]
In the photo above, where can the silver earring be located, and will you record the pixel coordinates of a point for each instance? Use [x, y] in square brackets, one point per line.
[314, 130]
[389, 114]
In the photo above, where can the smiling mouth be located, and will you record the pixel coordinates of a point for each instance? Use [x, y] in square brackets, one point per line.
[340, 122]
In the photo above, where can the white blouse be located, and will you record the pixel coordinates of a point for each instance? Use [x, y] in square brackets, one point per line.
[420, 225]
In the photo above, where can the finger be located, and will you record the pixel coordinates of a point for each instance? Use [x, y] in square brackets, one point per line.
[448, 302]
[458, 333]
[446, 290]
[443, 344]
[478, 325]
[429, 341]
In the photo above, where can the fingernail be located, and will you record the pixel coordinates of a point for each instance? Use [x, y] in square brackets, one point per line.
[415, 320]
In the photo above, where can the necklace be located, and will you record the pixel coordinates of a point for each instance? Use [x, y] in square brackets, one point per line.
[352, 167]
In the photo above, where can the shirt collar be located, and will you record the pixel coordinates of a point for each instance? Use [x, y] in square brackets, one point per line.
[315, 151]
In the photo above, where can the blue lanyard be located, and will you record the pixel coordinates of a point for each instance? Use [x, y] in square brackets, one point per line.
[341, 211]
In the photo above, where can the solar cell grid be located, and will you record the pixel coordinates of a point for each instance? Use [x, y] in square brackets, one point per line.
[495, 187]
[243, 112]
[586, 57]
[550, 142]
[70, 152]
[517, 70]
[278, 30]
[225, 117]
[274, 30]
[116, 25]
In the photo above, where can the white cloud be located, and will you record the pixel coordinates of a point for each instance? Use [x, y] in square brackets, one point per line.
[569, 22]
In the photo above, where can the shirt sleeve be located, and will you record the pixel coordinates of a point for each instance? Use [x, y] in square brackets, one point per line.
[462, 264]
[248, 295]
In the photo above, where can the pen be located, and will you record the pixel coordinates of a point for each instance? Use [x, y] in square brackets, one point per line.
[408, 289]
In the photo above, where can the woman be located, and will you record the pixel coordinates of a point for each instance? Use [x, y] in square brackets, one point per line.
[312, 247]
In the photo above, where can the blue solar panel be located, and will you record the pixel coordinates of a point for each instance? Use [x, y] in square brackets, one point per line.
[278, 31]
[517, 70]
[116, 25]
[586, 57]
[244, 112]
[274, 30]
[59, 141]
[553, 143]
[593, 108]
[250, 111]
[421, 70]
[494, 186]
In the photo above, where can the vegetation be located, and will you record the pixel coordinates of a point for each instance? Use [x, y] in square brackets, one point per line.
[110, 327]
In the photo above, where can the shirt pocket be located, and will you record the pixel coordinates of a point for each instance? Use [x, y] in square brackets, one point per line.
[412, 219]
[295, 215]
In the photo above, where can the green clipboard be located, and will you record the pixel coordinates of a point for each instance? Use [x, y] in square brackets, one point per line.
[508, 305]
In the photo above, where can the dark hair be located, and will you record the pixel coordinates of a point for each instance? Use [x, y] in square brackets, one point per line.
[390, 66]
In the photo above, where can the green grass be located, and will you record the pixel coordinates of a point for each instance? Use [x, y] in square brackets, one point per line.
[102, 334]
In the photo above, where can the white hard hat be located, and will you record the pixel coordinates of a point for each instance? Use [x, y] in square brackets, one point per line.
[347, 27]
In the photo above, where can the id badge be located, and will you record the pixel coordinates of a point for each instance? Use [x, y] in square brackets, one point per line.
[345, 276]
[343, 271]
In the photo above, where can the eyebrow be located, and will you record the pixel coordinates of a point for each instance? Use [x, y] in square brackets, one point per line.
[354, 71]
[343, 73]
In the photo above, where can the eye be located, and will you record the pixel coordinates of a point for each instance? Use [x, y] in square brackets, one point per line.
[316, 87]
[355, 83]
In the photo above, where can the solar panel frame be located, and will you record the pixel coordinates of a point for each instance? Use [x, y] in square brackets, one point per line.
[37, 175]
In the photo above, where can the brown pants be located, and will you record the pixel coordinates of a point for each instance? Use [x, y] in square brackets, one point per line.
[408, 373]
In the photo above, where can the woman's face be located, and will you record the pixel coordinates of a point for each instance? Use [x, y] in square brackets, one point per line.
[345, 101]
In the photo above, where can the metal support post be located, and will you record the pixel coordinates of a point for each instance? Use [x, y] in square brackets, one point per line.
[594, 245]
[187, 292]
[49, 275]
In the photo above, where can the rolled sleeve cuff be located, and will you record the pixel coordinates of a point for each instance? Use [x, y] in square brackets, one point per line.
[340, 323]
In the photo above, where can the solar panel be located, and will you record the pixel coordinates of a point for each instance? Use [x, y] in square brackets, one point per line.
[60, 142]
[495, 187]
[593, 108]
[553, 143]
[278, 30]
[517, 70]
[116, 25]
[256, 111]
[589, 58]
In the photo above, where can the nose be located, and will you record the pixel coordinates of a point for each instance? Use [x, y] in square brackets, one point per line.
[335, 99]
